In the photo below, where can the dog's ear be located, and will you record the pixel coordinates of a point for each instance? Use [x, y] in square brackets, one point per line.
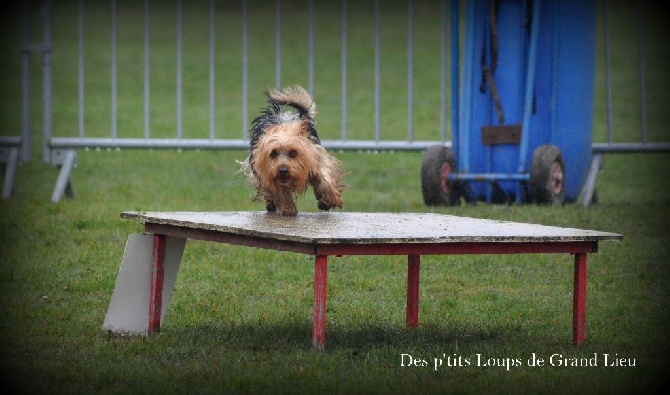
[308, 131]
[304, 127]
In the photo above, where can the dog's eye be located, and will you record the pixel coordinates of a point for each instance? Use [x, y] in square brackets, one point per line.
[273, 153]
[292, 153]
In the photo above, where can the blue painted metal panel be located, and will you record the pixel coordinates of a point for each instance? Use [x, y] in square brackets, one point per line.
[548, 88]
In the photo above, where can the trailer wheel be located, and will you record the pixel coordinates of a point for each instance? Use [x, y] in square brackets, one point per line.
[438, 162]
[547, 175]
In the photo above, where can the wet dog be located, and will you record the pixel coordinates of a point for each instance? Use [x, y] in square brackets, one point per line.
[286, 155]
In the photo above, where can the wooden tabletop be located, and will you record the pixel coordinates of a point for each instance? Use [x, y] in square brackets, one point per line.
[369, 228]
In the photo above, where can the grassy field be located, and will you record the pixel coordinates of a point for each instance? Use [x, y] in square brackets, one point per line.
[240, 318]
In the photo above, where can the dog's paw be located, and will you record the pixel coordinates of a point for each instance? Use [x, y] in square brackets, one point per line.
[327, 204]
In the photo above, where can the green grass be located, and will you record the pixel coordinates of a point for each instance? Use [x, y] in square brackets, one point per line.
[240, 318]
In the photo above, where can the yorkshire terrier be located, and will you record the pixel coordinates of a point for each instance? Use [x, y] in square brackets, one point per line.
[286, 155]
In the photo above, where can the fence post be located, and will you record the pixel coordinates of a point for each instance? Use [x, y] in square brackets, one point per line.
[178, 104]
[410, 71]
[47, 116]
[278, 44]
[378, 67]
[147, 87]
[310, 47]
[212, 62]
[25, 82]
[343, 70]
[245, 68]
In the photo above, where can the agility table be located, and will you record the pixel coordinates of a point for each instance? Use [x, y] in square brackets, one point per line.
[151, 260]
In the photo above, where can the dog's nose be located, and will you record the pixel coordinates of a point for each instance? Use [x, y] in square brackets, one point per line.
[283, 171]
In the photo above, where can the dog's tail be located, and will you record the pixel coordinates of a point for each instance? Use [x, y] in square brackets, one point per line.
[296, 97]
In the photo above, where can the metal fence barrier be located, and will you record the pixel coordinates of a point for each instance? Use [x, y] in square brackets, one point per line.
[16, 148]
[644, 145]
[61, 150]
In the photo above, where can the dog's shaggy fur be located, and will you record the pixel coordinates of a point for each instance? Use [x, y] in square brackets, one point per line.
[286, 155]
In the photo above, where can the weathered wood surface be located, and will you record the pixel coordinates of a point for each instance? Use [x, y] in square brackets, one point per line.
[369, 228]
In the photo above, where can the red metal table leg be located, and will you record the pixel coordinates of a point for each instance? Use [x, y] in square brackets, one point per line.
[579, 301]
[156, 291]
[413, 268]
[320, 288]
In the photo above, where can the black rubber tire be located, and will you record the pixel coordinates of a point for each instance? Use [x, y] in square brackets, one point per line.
[438, 162]
[547, 176]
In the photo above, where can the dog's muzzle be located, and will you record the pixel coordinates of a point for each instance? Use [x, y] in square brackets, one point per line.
[283, 175]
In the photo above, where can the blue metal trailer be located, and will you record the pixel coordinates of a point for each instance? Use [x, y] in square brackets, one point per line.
[523, 121]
